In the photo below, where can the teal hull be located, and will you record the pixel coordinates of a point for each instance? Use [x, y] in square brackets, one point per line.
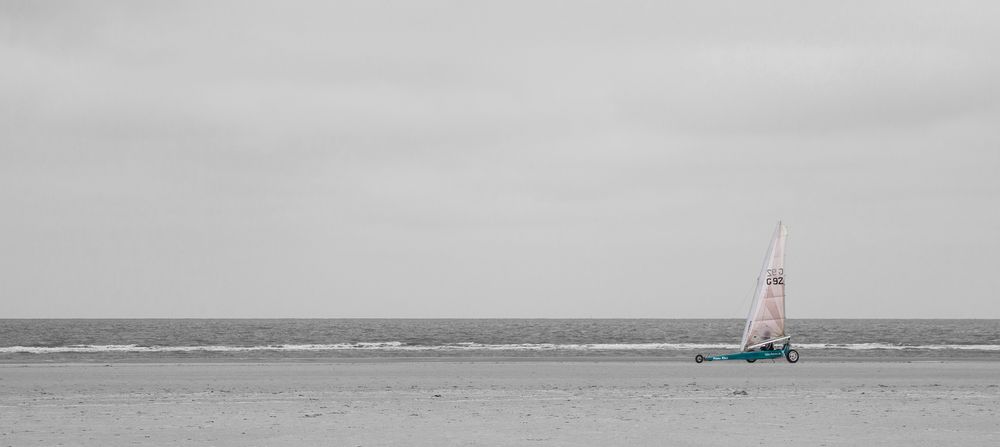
[753, 355]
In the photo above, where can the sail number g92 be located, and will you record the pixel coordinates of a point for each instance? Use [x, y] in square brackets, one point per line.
[775, 276]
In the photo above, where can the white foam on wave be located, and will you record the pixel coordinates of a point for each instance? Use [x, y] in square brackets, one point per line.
[210, 348]
[399, 346]
[889, 346]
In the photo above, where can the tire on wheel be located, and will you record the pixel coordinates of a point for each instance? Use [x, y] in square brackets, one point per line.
[792, 356]
[751, 360]
[699, 358]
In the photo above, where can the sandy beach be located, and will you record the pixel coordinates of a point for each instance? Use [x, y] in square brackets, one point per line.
[500, 403]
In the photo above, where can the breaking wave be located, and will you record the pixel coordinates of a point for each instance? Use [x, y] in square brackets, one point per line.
[399, 346]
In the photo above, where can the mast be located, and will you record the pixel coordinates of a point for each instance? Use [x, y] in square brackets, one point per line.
[766, 320]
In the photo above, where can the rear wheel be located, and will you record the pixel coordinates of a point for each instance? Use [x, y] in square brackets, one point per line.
[792, 356]
[751, 360]
[699, 358]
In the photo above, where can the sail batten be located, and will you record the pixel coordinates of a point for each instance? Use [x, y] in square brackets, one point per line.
[766, 320]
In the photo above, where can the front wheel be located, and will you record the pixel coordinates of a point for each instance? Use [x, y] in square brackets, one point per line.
[751, 360]
[792, 356]
[699, 358]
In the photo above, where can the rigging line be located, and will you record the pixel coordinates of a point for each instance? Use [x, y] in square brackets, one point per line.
[749, 299]
[767, 254]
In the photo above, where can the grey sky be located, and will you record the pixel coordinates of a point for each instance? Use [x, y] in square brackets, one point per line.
[503, 159]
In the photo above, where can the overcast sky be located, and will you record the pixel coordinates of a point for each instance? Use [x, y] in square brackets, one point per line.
[501, 159]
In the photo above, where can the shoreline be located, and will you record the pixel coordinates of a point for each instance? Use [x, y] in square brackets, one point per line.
[477, 359]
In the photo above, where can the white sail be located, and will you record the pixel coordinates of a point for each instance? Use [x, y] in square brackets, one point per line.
[767, 314]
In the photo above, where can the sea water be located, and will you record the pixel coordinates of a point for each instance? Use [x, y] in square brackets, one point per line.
[61, 340]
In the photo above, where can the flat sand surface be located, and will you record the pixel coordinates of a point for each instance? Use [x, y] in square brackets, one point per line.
[504, 403]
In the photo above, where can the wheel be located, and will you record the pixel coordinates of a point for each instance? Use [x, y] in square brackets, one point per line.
[699, 358]
[751, 360]
[792, 356]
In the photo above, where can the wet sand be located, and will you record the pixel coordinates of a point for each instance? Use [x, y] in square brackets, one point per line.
[501, 403]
